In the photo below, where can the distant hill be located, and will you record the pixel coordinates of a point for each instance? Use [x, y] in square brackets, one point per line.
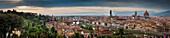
[165, 14]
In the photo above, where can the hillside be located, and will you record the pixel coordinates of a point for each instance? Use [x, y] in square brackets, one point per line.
[165, 14]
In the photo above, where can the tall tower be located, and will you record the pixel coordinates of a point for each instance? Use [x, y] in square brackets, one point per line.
[52, 16]
[110, 13]
[135, 13]
[135, 16]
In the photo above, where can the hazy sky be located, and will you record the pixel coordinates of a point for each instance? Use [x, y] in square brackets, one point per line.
[86, 7]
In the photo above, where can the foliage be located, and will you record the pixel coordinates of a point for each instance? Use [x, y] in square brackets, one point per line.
[35, 25]
[88, 28]
[14, 36]
[116, 32]
[53, 30]
[59, 20]
[105, 36]
[77, 35]
[91, 34]
[152, 34]
[121, 32]
[59, 36]
[33, 31]
[25, 23]
[138, 32]
[9, 22]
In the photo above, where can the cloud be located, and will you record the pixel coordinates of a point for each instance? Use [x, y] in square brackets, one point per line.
[86, 7]
[160, 4]
[10, 0]
[90, 10]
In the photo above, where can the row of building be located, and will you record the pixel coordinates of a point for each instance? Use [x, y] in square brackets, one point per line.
[105, 25]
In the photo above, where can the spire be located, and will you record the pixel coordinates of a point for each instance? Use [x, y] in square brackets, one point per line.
[135, 13]
[13, 9]
[146, 11]
[52, 15]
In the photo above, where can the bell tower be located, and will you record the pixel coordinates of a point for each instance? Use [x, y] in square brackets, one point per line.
[110, 13]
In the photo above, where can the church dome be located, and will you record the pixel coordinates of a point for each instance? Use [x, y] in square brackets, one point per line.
[146, 13]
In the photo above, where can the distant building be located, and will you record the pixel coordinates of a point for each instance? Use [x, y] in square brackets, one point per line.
[14, 11]
[31, 14]
[134, 16]
[146, 14]
[135, 13]
[111, 16]
[1, 11]
[110, 13]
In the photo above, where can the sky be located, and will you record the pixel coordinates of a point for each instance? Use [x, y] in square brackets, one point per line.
[86, 7]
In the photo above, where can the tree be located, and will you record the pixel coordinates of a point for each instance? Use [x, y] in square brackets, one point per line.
[40, 33]
[25, 23]
[59, 20]
[105, 36]
[1, 11]
[91, 34]
[90, 28]
[59, 36]
[53, 29]
[81, 26]
[121, 32]
[41, 21]
[46, 29]
[33, 32]
[14, 36]
[77, 35]
[9, 22]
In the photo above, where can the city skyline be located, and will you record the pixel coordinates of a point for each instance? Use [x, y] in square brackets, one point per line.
[85, 19]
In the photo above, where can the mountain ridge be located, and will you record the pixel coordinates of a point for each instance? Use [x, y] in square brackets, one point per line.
[164, 14]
